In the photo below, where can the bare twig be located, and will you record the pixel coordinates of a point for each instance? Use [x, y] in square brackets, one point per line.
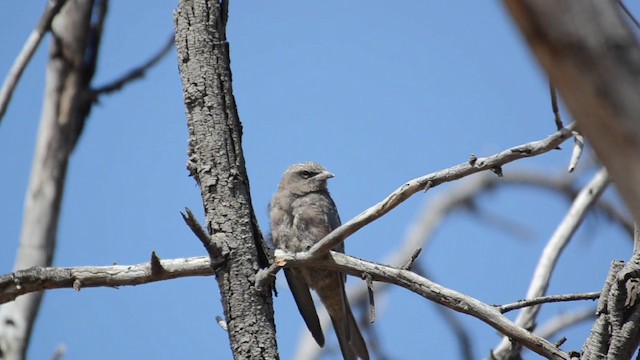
[36, 278]
[29, 48]
[135, 73]
[554, 106]
[578, 147]
[372, 305]
[413, 259]
[583, 202]
[212, 248]
[548, 299]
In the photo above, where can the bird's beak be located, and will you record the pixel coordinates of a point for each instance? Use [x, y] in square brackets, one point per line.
[324, 176]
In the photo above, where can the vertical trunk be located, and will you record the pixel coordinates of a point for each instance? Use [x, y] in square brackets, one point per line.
[217, 163]
[63, 113]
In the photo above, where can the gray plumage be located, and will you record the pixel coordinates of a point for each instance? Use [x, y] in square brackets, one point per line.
[302, 213]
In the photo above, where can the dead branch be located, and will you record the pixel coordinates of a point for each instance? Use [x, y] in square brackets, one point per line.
[135, 73]
[427, 289]
[426, 182]
[548, 299]
[38, 278]
[29, 48]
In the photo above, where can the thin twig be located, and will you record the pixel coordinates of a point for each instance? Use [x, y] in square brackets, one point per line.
[191, 221]
[554, 106]
[548, 299]
[578, 147]
[29, 48]
[372, 304]
[413, 259]
[134, 74]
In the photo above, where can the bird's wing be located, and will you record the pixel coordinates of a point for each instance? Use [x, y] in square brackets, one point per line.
[303, 299]
[314, 216]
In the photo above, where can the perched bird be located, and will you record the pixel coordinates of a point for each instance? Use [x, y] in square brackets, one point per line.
[302, 213]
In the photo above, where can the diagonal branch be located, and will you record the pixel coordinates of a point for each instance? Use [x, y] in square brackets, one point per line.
[443, 204]
[434, 179]
[427, 289]
[29, 48]
[424, 183]
[135, 73]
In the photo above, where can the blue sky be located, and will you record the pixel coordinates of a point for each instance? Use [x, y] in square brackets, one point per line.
[378, 93]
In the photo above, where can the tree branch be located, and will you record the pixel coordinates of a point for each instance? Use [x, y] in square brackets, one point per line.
[427, 289]
[431, 216]
[547, 299]
[29, 48]
[434, 179]
[38, 278]
[135, 73]
[427, 182]
[65, 108]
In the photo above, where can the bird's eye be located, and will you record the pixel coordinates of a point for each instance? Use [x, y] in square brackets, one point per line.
[305, 174]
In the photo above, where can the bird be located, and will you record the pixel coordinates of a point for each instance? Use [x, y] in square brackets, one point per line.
[302, 212]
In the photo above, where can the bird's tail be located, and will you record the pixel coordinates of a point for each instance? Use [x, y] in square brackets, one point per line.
[350, 339]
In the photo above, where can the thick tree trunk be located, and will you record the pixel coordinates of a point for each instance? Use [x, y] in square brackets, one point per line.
[63, 112]
[593, 57]
[217, 163]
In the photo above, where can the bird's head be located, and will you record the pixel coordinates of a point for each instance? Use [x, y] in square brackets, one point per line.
[304, 178]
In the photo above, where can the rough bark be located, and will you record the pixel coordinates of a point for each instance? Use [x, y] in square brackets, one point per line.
[217, 163]
[64, 110]
[593, 58]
